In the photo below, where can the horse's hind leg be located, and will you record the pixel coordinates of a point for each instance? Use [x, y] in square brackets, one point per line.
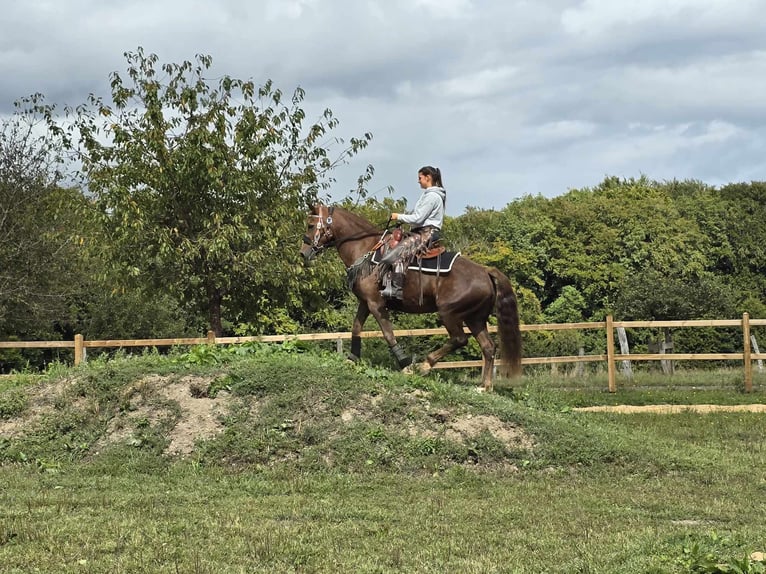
[479, 330]
[457, 339]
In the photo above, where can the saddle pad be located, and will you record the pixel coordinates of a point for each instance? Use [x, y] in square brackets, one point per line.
[433, 265]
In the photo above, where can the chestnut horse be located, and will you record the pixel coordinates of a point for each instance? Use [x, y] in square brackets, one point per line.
[464, 296]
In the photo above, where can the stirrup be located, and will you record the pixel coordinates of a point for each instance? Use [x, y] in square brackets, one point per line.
[392, 292]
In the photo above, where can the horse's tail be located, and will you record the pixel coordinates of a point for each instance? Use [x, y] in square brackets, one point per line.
[508, 328]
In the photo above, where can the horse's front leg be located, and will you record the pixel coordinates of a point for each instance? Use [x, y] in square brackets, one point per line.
[379, 311]
[362, 312]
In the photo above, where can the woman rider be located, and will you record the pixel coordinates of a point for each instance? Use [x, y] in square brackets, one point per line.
[426, 221]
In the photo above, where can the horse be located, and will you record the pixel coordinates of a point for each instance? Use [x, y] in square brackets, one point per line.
[463, 297]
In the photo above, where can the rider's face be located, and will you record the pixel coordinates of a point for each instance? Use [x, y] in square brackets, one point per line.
[425, 181]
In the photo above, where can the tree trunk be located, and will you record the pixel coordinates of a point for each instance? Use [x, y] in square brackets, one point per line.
[214, 299]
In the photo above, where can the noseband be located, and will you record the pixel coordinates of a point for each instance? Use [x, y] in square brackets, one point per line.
[323, 231]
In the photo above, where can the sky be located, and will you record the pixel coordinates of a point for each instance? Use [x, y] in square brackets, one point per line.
[507, 97]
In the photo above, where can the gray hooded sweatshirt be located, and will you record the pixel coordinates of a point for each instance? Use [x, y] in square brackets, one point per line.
[429, 210]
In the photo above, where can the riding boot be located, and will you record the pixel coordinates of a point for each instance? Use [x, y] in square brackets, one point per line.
[394, 287]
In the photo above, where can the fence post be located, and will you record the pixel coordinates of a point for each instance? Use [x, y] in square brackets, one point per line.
[610, 366]
[210, 338]
[759, 362]
[666, 344]
[625, 350]
[746, 354]
[79, 349]
[339, 345]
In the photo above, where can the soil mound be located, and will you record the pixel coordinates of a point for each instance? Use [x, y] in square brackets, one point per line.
[260, 416]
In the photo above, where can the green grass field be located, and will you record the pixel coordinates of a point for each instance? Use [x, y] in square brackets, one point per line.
[316, 465]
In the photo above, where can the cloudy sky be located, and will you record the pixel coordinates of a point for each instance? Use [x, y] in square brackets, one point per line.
[507, 97]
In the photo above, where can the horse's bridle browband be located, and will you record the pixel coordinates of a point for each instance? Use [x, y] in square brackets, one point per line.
[323, 223]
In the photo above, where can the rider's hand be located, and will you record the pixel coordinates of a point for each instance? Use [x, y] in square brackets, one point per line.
[394, 216]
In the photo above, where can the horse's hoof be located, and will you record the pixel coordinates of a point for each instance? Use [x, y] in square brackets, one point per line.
[420, 369]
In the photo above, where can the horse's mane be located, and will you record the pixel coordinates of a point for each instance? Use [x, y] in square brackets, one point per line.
[358, 220]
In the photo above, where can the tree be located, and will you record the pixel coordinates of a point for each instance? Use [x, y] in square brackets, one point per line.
[35, 252]
[515, 240]
[745, 207]
[654, 295]
[607, 234]
[202, 188]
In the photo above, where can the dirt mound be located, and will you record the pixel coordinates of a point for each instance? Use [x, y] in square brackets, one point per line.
[266, 426]
[41, 401]
[429, 422]
[180, 406]
[512, 436]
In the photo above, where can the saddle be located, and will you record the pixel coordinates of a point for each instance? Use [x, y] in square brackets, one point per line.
[433, 251]
[435, 260]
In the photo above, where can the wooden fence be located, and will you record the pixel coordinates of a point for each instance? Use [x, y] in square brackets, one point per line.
[609, 325]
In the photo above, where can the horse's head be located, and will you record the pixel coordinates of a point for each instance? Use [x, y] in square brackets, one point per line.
[319, 233]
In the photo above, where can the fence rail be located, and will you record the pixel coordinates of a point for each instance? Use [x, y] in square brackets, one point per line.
[79, 344]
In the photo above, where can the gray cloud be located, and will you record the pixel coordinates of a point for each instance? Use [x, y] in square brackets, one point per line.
[507, 97]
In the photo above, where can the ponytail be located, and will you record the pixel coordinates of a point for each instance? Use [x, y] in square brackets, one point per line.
[434, 172]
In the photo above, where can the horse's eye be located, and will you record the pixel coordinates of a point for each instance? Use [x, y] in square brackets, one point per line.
[311, 226]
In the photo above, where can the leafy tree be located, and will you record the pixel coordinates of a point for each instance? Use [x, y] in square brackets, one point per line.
[515, 240]
[202, 188]
[620, 228]
[654, 295]
[567, 308]
[35, 252]
[744, 205]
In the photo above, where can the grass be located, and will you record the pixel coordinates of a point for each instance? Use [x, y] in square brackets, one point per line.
[723, 386]
[287, 487]
[193, 520]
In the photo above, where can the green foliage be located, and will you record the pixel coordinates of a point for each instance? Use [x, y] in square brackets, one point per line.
[56, 278]
[203, 355]
[105, 311]
[635, 248]
[206, 355]
[515, 240]
[654, 294]
[38, 268]
[12, 403]
[744, 207]
[714, 554]
[201, 187]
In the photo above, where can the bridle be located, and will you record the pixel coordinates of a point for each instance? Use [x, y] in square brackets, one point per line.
[324, 236]
[322, 232]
